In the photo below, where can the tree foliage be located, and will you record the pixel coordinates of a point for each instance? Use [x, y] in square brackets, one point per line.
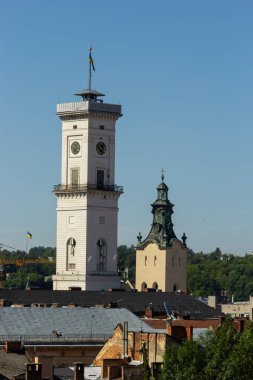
[146, 373]
[209, 274]
[126, 259]
[221, 354]
[18, 276]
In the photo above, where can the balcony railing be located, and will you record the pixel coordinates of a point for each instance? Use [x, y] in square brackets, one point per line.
[88, 106]
[36, 338]
[85, 188]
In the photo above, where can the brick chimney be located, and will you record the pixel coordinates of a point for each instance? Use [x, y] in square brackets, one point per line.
[78, 371]
[149, 312]
[33, 371]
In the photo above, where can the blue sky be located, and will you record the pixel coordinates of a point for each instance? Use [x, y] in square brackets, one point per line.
[182, 71]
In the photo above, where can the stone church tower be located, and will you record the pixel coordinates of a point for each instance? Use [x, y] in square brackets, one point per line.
[161, 259]
[87, 198]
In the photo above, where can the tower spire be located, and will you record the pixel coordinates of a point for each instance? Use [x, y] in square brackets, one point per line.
[162, 227]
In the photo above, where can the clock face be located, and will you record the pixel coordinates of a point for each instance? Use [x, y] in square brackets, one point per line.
[75, 147]
[100, 148]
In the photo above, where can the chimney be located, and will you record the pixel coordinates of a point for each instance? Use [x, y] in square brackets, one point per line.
[125, 339]
[149, 311]
[78, 371]
[33, 371]
[212, 301]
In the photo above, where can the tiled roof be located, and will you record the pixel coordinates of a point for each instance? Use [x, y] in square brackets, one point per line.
[11, 364]
[179, 303]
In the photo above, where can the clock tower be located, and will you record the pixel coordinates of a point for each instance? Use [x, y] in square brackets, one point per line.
[87, 198]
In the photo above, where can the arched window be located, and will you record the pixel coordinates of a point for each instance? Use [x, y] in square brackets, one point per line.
[71, 244]
[143, 286]
[70, 247]
[155, 285]
[174, 287]
[101, 254]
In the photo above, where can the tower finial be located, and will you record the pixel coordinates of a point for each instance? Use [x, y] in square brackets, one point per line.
[162, 171]
[91, 64]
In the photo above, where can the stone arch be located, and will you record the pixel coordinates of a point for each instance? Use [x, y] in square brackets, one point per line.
[143, 286]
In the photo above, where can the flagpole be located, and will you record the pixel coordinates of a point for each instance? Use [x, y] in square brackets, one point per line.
[90, 67]
[26, 243]
[89, 74]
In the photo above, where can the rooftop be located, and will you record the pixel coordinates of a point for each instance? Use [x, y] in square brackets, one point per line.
[137, 302]
[56, 324]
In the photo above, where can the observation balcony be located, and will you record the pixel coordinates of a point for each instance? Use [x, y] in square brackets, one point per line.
[84, 188]
[87, 106]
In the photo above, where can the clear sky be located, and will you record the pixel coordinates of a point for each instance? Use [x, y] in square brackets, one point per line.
[183, 73]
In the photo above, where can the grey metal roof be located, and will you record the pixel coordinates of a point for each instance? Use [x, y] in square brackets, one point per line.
[67, 321]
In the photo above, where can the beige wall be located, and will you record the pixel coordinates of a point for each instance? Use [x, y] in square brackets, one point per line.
[156, 344]
[165, 267]
[239, 309]
[235, 309]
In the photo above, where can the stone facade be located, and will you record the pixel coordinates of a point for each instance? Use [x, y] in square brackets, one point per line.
[113, 349]
[87, 198]
[242, 309]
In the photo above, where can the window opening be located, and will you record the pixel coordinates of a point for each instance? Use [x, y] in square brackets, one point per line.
[101, 254]
[100, 178]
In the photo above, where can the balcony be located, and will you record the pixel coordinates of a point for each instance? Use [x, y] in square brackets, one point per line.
[84, 188]
[88, 106]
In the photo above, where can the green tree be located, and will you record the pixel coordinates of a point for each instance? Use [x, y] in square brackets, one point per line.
[185, 362]
[240, 362]
[146, 373]
[218, 345]
[126, 259]
[221, 354]
[208, 274]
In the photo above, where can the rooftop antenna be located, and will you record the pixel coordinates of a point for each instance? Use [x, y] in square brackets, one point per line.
[91, 65]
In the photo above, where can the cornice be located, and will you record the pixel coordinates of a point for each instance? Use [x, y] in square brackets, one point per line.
[88, 115]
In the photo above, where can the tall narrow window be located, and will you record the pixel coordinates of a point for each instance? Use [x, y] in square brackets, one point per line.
[100, 178]
[146, 260]
[101, 254]
[74, 177]
[71, 246]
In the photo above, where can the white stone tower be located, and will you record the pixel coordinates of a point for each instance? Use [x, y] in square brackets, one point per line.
[87, 198]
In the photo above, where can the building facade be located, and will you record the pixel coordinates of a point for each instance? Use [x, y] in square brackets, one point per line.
[161, 259]
[87, 198]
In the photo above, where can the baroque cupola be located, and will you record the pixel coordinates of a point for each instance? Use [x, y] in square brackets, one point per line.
[162, 227]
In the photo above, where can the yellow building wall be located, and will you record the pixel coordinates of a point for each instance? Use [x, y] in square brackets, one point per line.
[166, 268]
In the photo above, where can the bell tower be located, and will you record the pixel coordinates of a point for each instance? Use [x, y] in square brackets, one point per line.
[161, 258]
[87, 198]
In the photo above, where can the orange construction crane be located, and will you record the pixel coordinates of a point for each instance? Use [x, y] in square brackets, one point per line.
[24, 261]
